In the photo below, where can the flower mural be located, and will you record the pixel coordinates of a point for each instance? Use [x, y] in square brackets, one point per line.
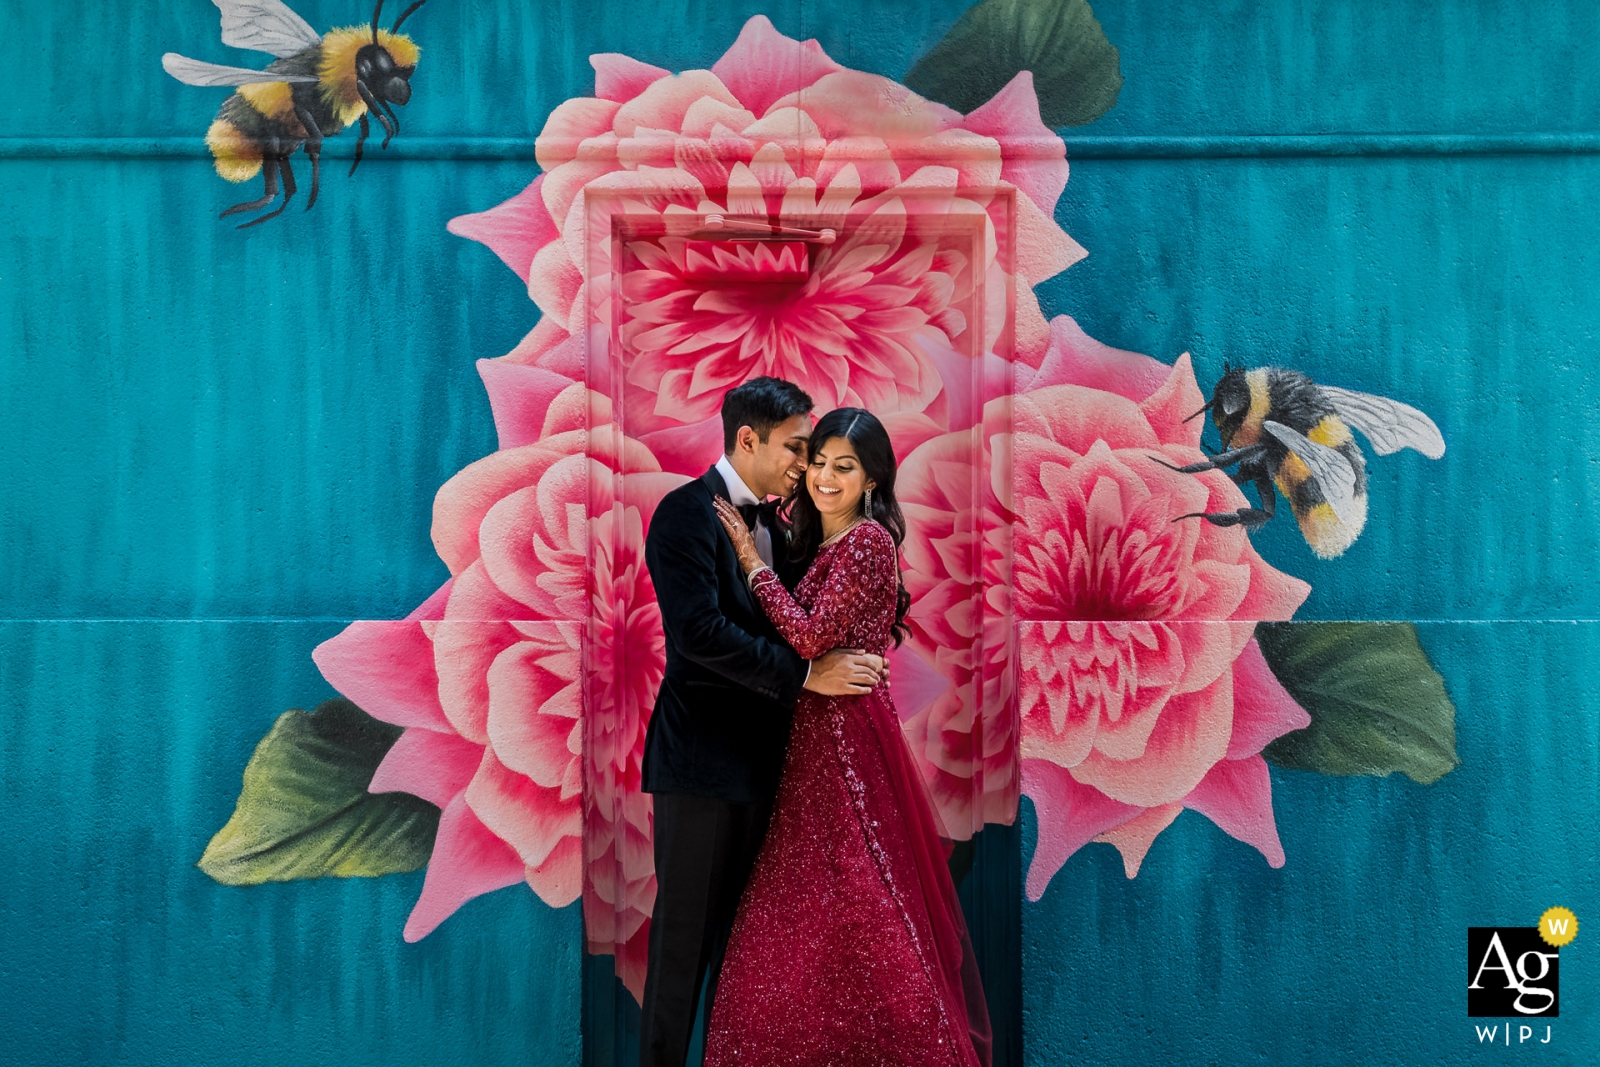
[1141, 688]
[777, 130]
[957, 568]
[489, 680]
[905, 314]
[1070, 641]
[1136, 674]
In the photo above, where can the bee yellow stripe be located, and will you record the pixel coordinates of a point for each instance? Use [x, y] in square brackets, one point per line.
[238, 158]
[1260, 401]
[1291, 472]
[1325, 533]
[275, 100]
[1331, 431]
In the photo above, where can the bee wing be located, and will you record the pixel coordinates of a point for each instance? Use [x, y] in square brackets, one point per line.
[196, 72]
[1388, 424]
[265, 26]
[1334, 475]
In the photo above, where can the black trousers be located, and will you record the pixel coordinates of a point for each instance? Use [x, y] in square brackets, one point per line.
[704, 851]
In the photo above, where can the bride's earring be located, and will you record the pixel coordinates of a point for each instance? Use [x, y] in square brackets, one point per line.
[866, 504]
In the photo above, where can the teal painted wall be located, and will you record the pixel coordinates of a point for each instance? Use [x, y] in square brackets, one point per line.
[217, 448]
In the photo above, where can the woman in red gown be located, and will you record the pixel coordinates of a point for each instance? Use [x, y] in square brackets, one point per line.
[849, 949]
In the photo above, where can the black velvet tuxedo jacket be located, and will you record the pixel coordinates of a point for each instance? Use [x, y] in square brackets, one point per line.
[721, 720]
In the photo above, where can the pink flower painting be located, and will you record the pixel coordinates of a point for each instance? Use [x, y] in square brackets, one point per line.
[490, 678]
[918, 285]
[1070, 641]
[945, 223]
[957, 567]
[1141, 688]
[1078, 635]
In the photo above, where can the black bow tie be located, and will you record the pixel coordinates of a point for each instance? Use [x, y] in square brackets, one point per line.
[765, 514]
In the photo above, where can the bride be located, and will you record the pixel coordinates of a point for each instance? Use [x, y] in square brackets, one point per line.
[849, 948]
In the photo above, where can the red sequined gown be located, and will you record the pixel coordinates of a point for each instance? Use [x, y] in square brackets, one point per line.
[849, 949]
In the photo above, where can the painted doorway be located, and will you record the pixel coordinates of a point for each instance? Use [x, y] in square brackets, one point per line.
[906, 311]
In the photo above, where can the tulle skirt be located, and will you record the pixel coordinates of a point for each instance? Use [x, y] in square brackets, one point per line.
[849, 949]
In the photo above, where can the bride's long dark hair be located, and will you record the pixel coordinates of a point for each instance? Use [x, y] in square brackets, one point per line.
[872, 446]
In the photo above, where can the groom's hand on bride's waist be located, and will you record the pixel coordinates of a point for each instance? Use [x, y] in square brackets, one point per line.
[847, 672]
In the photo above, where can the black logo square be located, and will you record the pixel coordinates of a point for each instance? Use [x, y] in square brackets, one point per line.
[1511, 973]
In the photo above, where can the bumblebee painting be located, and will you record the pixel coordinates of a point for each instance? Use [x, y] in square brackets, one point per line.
[316, 87]
[1280, 429]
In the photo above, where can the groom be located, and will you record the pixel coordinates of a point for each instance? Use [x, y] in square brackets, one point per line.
[721, 722]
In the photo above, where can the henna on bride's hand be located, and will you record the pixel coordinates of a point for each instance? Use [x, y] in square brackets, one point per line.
[744, 542]
[730, 518]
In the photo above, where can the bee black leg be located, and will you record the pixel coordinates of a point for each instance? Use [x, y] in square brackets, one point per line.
[288, 194]
[316, 169]
[374, 106]
[393, 119]
[1249, 518]
[308, 123]
[269, 172]
[1217, 462]
[366, 128]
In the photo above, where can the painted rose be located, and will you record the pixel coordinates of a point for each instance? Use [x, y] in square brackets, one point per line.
[490, 675]
[777, 130]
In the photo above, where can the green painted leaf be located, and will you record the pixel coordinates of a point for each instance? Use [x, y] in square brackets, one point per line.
[1377, 705]
[305, 811]
[1076, 71]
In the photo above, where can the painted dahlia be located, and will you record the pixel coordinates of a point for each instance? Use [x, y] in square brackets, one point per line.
[493, 675]
[957, 559]
[1138, 688]
[891, 317]
[1141, 688]
[946, 222]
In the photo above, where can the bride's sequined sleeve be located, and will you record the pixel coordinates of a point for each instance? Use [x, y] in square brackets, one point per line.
[861, 579]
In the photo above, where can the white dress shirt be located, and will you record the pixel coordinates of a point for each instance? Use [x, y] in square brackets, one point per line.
[739, 493]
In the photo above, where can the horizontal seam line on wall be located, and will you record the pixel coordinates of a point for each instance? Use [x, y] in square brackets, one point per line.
[1565, 621]
[216, 619]
[1269, 146]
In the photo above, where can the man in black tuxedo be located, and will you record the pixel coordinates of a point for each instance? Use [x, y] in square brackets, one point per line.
[721, 722]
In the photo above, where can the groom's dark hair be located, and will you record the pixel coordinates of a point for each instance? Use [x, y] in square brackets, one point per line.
[761, 403]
